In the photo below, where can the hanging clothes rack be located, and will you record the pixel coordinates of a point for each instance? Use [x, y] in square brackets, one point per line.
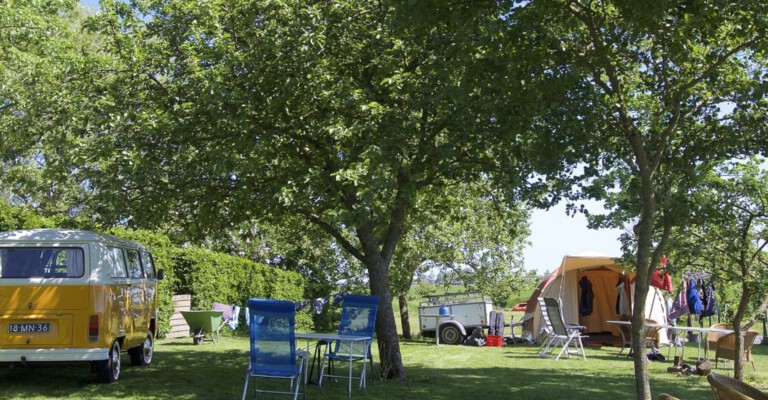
[696, 275]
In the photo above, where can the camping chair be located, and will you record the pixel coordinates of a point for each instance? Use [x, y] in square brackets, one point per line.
[652, 329]
[229, 317]
[725, 347]
[561, 335]
[273, 345]
[713, 337]
[545, 336]
[358, 318]
[727, 388]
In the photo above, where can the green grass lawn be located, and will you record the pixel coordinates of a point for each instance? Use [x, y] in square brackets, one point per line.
[181, 370]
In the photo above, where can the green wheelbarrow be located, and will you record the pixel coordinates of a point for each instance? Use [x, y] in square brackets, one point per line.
[202, 324]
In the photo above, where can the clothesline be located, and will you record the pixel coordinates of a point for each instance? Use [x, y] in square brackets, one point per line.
[696, 275]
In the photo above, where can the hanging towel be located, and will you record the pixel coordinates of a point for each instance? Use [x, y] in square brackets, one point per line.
[232, 323]
[693, 297]
[586, 298]
[680, 305]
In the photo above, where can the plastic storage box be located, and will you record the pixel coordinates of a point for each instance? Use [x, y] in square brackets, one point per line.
[494, 341]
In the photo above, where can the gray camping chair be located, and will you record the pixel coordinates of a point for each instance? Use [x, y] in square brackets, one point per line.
[560, 334]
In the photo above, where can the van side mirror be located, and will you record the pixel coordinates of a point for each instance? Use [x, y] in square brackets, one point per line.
[160, 274]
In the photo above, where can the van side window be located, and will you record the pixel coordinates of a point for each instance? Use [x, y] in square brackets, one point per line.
[41, 262]
[149, 265]
[134, 264]
[117, 261]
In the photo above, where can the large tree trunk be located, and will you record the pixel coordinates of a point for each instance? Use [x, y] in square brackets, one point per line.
[390, 358]
[738, 318]
[640, 359]
[644, 231]
[402, 300]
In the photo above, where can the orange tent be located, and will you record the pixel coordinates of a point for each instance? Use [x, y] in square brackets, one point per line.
[604, 274]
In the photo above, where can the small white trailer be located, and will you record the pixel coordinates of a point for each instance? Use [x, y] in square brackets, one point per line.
[462, 313]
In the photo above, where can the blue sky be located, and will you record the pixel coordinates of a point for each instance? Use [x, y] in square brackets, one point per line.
[91, 3]
[553, 233]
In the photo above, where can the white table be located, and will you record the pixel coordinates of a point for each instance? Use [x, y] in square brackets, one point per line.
[437, 323]
[678, 328]
[702, 338]
[624, 340]
[330, 337]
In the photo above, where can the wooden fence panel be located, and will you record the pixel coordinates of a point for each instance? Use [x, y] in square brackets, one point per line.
[179, 327]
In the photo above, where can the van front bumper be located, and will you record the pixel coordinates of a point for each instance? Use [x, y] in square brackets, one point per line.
[52, 355]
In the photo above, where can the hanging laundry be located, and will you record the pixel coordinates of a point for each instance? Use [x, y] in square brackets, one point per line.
[662, 280]
[708, 300]
[680, 305]
[232, 323]
[693, 297]
[622, 303]
[318, 304]
[587, 297]
[301, 305]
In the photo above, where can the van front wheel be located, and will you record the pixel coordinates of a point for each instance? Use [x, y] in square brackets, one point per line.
[107, 371]
[142, 354]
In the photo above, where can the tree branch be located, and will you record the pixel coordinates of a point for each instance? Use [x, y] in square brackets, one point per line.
[335, 233]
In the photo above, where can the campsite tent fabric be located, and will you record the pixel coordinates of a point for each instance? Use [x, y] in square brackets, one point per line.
[604, 275]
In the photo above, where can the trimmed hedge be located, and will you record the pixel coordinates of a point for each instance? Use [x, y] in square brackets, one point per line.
[214, 277]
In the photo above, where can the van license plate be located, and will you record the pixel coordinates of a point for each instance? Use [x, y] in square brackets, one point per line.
[36, 327]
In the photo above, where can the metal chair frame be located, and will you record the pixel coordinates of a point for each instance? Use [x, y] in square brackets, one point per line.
[273, 353]
[358, 318]
[562, 334]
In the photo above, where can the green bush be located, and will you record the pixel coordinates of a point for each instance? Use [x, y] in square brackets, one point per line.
[213, 277]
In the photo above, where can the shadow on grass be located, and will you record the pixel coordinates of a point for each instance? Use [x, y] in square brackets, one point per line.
[181, 370]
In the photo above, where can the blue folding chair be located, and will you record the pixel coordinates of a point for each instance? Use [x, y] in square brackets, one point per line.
[273, 345]
[358, 319]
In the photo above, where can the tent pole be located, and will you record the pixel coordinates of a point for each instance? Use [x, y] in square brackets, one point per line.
[562, 278]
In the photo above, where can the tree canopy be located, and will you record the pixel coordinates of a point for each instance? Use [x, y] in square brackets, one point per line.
[46, 61]
[638, 97]
[728, 236]
[350, 115]
[338, 112]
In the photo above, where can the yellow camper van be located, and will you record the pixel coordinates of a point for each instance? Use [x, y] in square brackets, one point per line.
[76, 296]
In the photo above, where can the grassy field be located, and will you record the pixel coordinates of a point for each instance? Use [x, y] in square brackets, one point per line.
[181, 370]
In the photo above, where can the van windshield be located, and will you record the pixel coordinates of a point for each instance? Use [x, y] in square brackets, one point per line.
[41, 262]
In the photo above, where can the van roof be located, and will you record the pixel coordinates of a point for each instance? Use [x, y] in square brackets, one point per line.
[64, 235]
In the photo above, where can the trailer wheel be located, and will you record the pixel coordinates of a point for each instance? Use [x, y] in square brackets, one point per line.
[450, 334]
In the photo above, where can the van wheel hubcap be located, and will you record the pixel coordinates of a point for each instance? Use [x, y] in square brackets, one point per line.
[148, 349]
[116, 360]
